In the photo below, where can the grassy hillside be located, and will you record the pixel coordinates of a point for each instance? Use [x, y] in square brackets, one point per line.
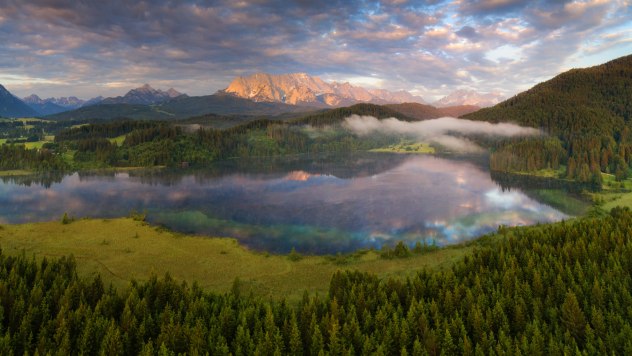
[124, 249]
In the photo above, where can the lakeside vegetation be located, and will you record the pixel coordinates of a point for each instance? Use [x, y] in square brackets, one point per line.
[543, 290]
[587, 111]
[120, 250]
[405, 146]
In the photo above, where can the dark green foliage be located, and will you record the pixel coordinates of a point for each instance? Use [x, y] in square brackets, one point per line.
[527, 154]
[589, 110]
[65, 219]
[161, 144]
[336, 116]
[294, 256]
[541, 290]
[19, 157]
[400, 250]
[104, 130]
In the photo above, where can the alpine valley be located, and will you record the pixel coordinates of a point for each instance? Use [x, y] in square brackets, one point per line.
[346, 178]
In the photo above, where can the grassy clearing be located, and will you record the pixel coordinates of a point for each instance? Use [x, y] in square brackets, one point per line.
[613, 193]
[32, 145]
[26, 120]
[124, 249]
[36, 144]
[407, 147]
[118, 140]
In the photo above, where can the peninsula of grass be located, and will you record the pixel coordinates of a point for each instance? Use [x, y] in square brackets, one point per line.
[124, 249]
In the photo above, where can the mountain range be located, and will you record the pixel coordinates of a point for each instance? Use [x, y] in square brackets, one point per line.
[181, 107]
[11, 106]
[50, 106]
[257, 94]
[469, 97]
[144, 95]
[303, 89]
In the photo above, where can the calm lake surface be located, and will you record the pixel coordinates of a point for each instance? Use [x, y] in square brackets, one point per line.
[323, 205]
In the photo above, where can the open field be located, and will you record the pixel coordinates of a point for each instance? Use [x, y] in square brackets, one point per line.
[32, 145]
[118, 140]
[26, 120]
[36, 144]
[614, 193]
[124, 249]
[407, 147]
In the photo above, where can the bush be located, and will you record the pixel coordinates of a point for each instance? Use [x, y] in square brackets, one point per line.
[294, 256]
[401, 250]
[65, 219]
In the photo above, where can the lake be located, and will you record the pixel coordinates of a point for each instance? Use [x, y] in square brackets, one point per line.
[316, 205]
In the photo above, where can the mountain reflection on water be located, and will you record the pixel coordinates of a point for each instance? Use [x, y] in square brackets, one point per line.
[322, 205]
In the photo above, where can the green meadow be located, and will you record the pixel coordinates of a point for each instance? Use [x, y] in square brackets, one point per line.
[124, 249]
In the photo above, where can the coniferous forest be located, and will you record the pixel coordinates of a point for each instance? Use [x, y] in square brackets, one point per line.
[542, 290]
[587, 110]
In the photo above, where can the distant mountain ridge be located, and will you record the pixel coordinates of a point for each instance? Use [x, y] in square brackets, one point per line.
[71, 102]
[427, 112]
[181, 107]
[469, 97]
[52, 105]
[303, 89]
[144, 95]
[12, 106]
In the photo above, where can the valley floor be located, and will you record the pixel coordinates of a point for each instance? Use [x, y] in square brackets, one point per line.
[124, 249]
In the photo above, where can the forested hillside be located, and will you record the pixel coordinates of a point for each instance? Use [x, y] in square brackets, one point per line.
[426, 112]
[543, 290]
[589, 110]
[336, 116]
[156, 143]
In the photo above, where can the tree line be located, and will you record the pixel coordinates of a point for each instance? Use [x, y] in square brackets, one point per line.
[588, 110]
[554, 289]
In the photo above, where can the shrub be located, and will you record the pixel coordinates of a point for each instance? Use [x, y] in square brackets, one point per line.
[65, 219]
[294, 256]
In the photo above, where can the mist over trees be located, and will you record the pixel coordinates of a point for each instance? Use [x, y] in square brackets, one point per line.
[588, 110]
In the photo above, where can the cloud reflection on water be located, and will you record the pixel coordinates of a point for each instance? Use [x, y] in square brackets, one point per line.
[421, 197]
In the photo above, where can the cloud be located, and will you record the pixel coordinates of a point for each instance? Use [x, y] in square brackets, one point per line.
[200, 46]
[441, 131]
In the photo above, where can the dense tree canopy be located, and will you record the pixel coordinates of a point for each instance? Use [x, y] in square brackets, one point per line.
[589, 110]
[543, 290]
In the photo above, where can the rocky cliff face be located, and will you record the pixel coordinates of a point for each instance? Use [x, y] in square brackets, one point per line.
[303, 89]
[145, 95]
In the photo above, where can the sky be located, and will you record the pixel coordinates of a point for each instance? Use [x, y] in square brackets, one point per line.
[87, 48]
